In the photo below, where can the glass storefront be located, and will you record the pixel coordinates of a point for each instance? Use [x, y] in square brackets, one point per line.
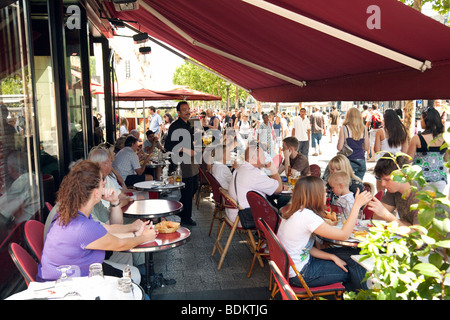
[19, 180]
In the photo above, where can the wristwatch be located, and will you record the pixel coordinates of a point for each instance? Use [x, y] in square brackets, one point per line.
[114, 205]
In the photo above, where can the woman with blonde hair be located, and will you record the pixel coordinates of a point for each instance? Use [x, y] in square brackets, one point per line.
[357, 137]
[341, 163]
[301, 220]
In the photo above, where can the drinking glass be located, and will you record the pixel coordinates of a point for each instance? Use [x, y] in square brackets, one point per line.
[124, 289]
[96, 280]
[64, 280]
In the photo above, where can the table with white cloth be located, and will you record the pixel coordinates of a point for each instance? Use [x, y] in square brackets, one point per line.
[86, 287]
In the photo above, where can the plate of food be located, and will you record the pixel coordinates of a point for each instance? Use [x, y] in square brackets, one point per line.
[167, 226]
[331, 218]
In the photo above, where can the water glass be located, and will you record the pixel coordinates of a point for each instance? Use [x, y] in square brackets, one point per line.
[64, 280]
[96, 270]
[124, 289]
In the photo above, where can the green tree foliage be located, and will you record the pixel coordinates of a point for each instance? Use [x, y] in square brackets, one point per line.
[440, 6]
[197, 78]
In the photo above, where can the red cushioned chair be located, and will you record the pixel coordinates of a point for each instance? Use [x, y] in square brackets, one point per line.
[217, 197]
[287, 293]
[34, 237]
[261, 208]
[27, 266]
[282, 259]
[203, 183]
[368, 214]
[315, 170]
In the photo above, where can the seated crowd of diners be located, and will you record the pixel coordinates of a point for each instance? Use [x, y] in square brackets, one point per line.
[341, 185]
[89, 201]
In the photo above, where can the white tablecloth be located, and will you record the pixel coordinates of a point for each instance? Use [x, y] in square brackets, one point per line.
[89, 290]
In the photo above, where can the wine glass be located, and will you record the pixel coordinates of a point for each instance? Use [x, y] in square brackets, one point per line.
[64, 280]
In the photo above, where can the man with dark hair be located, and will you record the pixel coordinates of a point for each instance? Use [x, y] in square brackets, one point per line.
[393, 198]
[293, 159]
[127, 163]
[155, 121]
[183, 143]
[334, 123]
[302, 131]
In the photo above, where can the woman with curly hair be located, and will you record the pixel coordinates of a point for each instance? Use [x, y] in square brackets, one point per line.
[74, 238]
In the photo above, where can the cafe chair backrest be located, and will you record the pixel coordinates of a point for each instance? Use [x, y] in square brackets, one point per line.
[34, 237]
[278, 254]
[315, 170]
[227, 200]
[215, 185]
[27, 266]
[262, 208]
[368, 214]
[287, 293]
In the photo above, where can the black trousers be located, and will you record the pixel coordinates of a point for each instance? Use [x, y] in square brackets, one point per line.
[187, 195]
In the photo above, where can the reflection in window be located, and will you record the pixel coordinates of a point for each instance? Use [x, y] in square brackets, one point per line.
[19, 196]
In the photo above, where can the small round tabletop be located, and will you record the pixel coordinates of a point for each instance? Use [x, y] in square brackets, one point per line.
[157, 186]
[153, 208]
[165, 241]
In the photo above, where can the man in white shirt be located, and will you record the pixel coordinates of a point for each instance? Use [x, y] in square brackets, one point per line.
[249, 177]
[220, 170]
[302, 131]
[155, 122]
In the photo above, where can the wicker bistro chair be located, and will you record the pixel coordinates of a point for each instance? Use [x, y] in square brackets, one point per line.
[218, 202]
[282, 259]
[261, 208]
[229, 202]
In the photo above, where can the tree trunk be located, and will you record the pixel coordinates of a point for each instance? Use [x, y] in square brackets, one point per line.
[410, 117]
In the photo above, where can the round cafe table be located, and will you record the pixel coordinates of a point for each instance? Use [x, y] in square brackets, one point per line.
[152, 208]
[157, 208]
[164, 241]
[157, 186]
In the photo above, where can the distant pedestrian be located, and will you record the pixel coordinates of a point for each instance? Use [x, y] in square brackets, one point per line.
[373, 123]
[334, 123]
[317, 129]
[301, 129]
[357, 138]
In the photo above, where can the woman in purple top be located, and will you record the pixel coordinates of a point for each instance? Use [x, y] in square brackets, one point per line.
[74, 238]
